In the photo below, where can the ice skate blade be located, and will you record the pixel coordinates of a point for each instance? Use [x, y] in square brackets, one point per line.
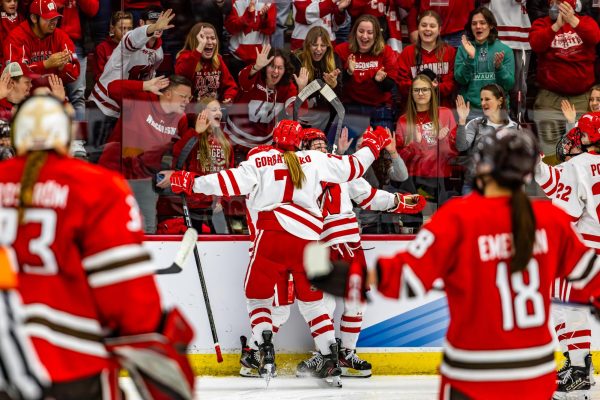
[354, 373]
[330, 382]
[268, 375]
[574, 395]
[249, 372]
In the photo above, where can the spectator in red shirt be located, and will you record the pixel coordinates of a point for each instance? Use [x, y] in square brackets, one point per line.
[120, 23]
[210, 152]
[145, 133]
[9, 20]
[370, 74]
[40, 44]
[454, 13]
[250, 24]
[429, 52]
[266, 90]
[564, 42]
[200, 62]
[426, 141]
[15, 86]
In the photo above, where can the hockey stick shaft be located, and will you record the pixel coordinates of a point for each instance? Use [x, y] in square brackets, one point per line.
[211, 321]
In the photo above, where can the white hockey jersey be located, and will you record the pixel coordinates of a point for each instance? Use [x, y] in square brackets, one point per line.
[340, 224]
[513, 23]
[133, 60]
[574, 186]
[266, 179]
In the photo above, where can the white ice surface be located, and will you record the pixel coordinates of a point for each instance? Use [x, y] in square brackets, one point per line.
[289, 388]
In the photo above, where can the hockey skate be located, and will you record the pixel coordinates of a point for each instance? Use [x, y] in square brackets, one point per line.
[249, 360]
[266, 350]
[574, 385]
[324, 367]
[352, 365]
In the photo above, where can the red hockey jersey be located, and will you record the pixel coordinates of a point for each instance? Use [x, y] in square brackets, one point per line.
[24, 46]
[249, 31]
[83, 272]
[498, 328]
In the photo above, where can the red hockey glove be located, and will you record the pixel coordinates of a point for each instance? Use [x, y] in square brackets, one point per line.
[408, 204]
[183, 181]
[376, 139]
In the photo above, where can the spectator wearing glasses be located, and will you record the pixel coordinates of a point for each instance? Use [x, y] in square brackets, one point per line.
[144, 134]
[426, 141]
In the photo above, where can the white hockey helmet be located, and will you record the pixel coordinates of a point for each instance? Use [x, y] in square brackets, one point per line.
[41, 123]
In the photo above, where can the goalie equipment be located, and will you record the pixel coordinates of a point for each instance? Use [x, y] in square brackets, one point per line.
[408, 204]
[183, 182]
[569, 145]
[376, 139]
[157, 362]
[286, 135]
[41, 123]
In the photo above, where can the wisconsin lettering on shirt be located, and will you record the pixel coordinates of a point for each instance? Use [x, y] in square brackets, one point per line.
[566, 40]
[160, 127]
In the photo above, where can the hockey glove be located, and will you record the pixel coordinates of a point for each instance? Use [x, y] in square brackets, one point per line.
[183, 181]
[337, 278]
[408, 204]
[376, 139]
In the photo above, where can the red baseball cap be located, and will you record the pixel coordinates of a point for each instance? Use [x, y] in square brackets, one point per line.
[46, 9]
[16, 69]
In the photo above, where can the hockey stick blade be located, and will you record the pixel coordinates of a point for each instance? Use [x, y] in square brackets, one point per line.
[185, 249]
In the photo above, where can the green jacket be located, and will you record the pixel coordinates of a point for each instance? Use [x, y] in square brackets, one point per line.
[473, 74]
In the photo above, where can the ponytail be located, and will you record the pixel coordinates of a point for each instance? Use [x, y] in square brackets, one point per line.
[293, 164]
[34, 163]
[523, 223]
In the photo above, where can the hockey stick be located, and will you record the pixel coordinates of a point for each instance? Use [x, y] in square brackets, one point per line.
[327, 92]
[185, 248]
[213, 329]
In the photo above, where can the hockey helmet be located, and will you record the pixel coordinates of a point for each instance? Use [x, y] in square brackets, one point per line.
[569, 145]
[589, 125]
[41, 123]
[287, 135]
[509, 156]
[310, 134]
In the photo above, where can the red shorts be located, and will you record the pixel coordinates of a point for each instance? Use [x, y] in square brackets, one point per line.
[540, 388]
[275, 255]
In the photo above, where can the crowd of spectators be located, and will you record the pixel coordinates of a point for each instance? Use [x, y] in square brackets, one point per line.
[196, 84]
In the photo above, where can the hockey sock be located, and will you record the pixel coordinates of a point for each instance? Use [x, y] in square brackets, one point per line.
[578, 335]
[260, 319]
[316, 316]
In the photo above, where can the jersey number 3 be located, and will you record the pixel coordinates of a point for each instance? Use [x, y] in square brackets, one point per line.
[522, 303]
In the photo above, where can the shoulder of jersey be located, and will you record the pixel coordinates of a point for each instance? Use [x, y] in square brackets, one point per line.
[259, 149]
[98, 176]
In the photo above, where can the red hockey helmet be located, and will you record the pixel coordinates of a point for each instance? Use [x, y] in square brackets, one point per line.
[310, 134]
[589, 124]
[287, 135]
[569, 145]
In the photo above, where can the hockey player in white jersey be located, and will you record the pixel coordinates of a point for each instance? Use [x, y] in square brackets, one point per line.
[342, 233]
[136, 57]
[574, 185]
[283, 187]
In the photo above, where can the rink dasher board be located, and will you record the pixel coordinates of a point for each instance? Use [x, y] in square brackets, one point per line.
[397, 337]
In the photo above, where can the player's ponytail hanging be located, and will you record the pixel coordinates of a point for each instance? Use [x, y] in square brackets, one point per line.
[34, 163]
[523, 226]
[293, 164]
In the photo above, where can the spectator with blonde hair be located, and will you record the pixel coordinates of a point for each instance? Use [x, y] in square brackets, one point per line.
[200, 62]
[370, 74]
